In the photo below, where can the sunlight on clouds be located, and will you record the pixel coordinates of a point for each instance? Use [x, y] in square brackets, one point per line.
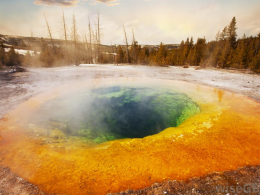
[66, 3]
[153, 21]
[108, 2]
[71, 3]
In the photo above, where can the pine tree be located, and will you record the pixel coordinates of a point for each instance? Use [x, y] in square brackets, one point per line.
[120, 55]
[227, 44]
[209, 56]
[153, 56]
[250, 53]
[2, 56]
[180, 57]
[46, 56]
[143, 57]
[161, 55]
[224, 56]
[27, 58]
[191, 43]
[134, 52]
[257, 45]
[216, 54]
[190, 56]
[186, 50]
[224, 34]
[232, 35]
[241, 53]
[218, 36]
[13, 58]
[255, 64]
[199, 51]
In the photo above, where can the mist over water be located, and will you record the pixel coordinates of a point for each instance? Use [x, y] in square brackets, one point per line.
[116, 112]
[60, 140]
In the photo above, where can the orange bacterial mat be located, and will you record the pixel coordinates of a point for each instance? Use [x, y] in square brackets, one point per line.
[225, 135]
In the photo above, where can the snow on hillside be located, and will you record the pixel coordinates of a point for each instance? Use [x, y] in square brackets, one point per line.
[22, 51]
[3, 39]
[106, 53]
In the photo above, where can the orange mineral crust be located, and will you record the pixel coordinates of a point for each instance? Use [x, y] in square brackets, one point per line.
[225, 135]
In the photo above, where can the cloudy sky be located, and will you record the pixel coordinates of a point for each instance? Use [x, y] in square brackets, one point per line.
[154, 21]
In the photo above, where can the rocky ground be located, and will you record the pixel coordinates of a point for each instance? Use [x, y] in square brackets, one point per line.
[11, 184]
[241, 180]
[16, 88]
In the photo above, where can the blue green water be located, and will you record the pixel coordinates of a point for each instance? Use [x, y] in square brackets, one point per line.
[105, 114]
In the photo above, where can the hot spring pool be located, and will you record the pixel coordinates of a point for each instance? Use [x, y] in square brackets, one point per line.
[116, 112]
[109, 135]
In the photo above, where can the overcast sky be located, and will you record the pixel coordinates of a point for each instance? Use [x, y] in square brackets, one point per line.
[154, 21]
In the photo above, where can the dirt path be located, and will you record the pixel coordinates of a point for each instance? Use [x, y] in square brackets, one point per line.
[16, 88]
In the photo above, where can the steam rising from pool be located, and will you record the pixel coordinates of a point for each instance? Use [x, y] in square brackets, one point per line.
[54, 139]
[116, 112]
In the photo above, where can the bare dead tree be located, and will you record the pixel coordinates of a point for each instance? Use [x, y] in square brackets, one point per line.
[85, 40]
[50, 34]
[134, 48]
[127, 49]
[133, 34]
[98, 37]
[64, 28]
[65, 35]
[32, 34]
[95, 43]
[90, 41]
[74, 31]
[75, 38]
[113, 52]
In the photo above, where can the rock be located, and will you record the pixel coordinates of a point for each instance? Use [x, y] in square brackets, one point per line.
[57, 134]
[21, 69]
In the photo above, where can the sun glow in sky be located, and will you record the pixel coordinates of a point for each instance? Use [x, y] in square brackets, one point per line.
[154, 21]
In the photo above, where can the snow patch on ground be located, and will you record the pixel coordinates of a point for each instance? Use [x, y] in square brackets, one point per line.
[22, 51]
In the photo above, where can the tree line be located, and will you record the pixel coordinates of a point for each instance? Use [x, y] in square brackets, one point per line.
[10, 58]
[73, 49]
[226, 51]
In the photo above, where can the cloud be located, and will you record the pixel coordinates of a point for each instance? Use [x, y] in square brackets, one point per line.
[66, 3]
[108, 2]
[71, 3]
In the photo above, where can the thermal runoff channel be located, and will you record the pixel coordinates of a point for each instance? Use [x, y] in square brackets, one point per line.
[105, 114]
